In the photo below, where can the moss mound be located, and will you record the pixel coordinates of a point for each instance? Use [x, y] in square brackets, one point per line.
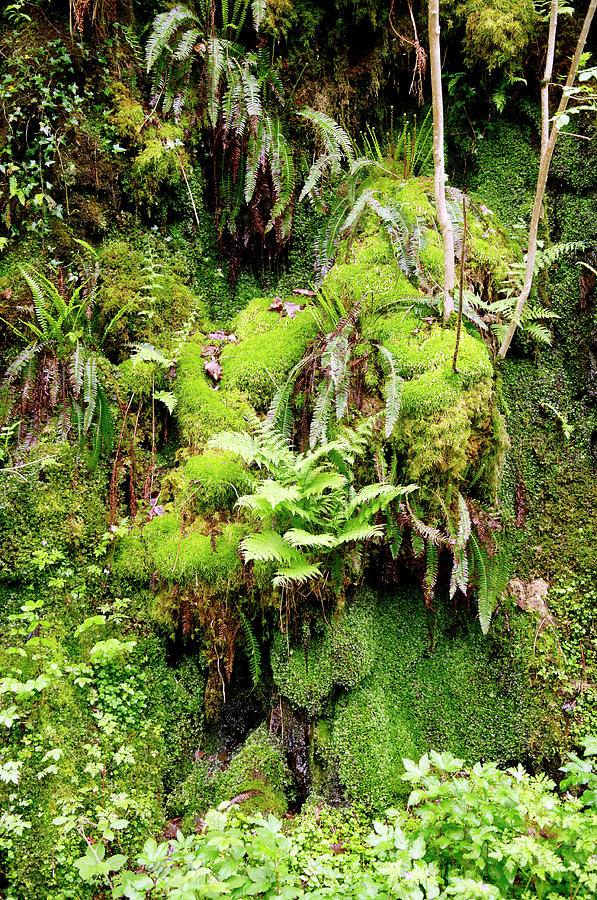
[461, 697]
[269, 345]
[341, 656]
[200, 552]
[258, 777]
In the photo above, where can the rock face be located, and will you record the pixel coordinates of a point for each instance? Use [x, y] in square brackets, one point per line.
[531, 596]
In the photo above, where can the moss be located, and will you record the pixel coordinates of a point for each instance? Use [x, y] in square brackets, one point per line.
[139, 378]
[62, 508]
[217, 480]
[259, 769]
[418, 349]
[384, 281]
[497, 33]
[202, 410]
[156, 297]
[200, 552]
[341, 656]
[505, 172]
[268, 346]
[441, 451]
[460, 698]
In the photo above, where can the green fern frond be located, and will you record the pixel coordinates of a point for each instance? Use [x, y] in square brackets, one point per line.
[297, 573]
[357, 531]
[486, 598]
[297, 537]
[321, 415]
[238, 442]
[265, 546]
[76, 367]
[393, 389]
[431, 573]
[258, 11]
[464, 523]
[89, 391]
[335, 139]
[165, 26]
[253, 651]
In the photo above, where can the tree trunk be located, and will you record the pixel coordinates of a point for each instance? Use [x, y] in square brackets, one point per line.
[551, 49]
[445, 223]
[544, 166]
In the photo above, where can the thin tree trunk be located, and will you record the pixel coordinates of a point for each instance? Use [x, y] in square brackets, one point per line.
[445, 223]
[542, 181]
[551, 49]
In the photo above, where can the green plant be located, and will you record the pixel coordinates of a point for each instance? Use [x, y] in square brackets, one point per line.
[308, 506]
[58, 373]
[241, 117]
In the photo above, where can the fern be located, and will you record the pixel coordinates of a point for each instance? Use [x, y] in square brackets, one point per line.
[431, 573]
[298, 573]
[164, 28]
[321, 415]
[253, 651]
[267, 546]
[393, 389]
[486, 597]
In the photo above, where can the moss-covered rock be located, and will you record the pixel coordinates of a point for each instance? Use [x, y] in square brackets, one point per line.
[257, 776]
[268, 346]
[340, 656]
[201, 552]
[459, 697]
[216, 480]
[204, 409]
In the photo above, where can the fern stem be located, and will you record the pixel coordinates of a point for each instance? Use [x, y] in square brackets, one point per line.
[461, 291]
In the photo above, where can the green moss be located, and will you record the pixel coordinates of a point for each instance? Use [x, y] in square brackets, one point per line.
[497, 33]
[157, 301]
[217, 479]
[202, 411]
[419, 349]
[268, 347]
[139, 378]
[461, 698]
[441, 451]
[259, 769]
[341, 656]
[506, 167]
[63, 509]
[198, 553]
[383, 282]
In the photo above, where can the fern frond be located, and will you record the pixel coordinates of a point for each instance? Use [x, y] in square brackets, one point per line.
[265, 546]
[297, 573]
[323, 481]
[486, 598]
[357, 531]
[89, 391]
[76, 367]
[431, 573]
[271, 492]
[464, 523]
[165, 26]
[238, 442]
[393, 389]
[321, 415]
[279, 414]
[253, 651]
[258, 12]
[335, 139]
[297, 537]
